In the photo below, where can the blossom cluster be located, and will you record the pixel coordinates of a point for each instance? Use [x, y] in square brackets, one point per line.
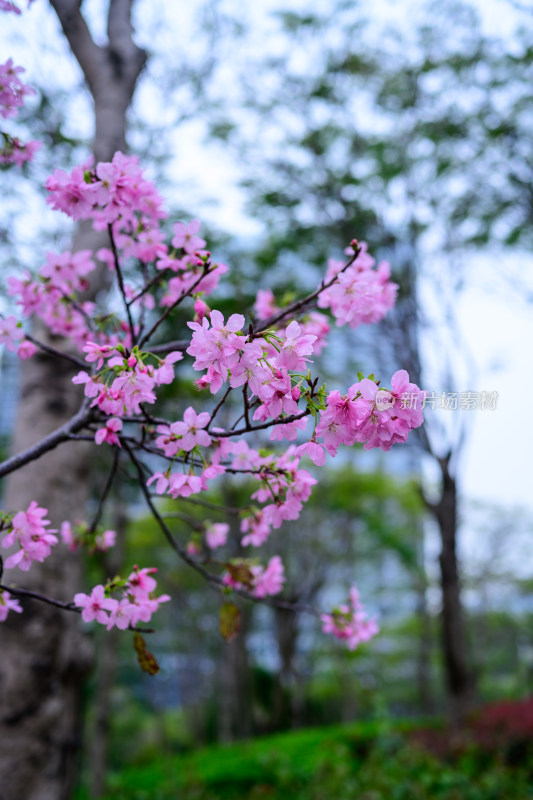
[12, 95]
[267, 361]
[371, 415]
[12, 89]
[28, 530]
[360, 294]
[12, 337]
[136, 604]
[52, 294]
[260, 581]
[82, 536]
[349, 622]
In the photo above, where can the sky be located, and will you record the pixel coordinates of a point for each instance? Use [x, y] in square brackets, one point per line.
[496, 321]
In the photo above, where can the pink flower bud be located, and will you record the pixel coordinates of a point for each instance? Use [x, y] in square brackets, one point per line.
[200, 310]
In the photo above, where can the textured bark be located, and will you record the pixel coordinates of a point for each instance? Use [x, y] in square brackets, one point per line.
[287, 711]
[43, 655]
[234, 709]
[458, 675]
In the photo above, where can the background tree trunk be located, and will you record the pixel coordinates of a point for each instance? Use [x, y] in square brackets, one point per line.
[458, 675]
[43, 653]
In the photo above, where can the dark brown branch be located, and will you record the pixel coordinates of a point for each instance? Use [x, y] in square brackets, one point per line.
[206, 270]
[14, 590]
[300, 305]
[120, 280]
[106, 490]
[147, 286]
[62, 434]
[246, 407]
[218, 406]
[36, 596]
[58, 353]
[263, 425]
[169, 347]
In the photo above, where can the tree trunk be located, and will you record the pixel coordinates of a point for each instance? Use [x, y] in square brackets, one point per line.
[287, 710]
[235, 708]
[458, 677]
[43, 654]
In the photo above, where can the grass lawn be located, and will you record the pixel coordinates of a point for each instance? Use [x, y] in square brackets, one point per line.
[362, 761]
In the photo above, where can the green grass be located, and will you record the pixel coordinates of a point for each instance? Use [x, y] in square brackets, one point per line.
[364, 762]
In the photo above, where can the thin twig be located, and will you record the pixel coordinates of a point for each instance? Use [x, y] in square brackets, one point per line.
[263, 425]
[246, 406]
[120, 279]
[146, 288]
[53, 352]
[36, 596]
[168, 347]
[214, 581]
[14, 590]
[106, 490]
[299, 305]
[218, 407]
[147, 336]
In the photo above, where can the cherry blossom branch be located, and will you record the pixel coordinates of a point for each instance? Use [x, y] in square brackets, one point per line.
[246, 407]
[120, 279]
[161, 522]
[54, 352]
[36, 596]
[105, 491]
[14, 590]
[299, 305]
[218, 407]
[62, 434]
[168, 347]
[263, 425]
[214, 581]
[147, 286]
[147, 336]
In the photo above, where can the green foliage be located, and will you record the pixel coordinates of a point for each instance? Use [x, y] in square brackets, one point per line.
[367, 762]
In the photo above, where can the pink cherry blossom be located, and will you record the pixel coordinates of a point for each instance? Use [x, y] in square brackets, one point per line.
[268, 580]
[349, 622]
[294, 348]
[109, 433]
[216, 534]
[96, 605]
[185, 236]
[190, 432]
[29, 531]
[8, 604]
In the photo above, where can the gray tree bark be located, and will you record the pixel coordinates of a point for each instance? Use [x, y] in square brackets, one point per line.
[43, 655]
[459, 676]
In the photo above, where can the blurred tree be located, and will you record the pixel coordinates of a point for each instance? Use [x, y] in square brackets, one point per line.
[390, 135]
